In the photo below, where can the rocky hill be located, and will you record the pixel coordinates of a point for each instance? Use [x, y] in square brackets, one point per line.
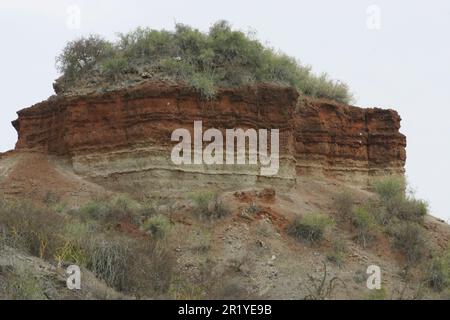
[75, 153]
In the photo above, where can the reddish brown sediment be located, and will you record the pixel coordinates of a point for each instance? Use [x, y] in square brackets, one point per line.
[129, 130]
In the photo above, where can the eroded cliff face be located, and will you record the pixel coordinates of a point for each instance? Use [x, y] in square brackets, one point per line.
[123, 137]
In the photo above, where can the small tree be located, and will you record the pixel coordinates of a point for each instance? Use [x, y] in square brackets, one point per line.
[82, 54]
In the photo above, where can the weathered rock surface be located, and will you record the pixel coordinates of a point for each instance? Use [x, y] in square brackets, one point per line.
[114, 136]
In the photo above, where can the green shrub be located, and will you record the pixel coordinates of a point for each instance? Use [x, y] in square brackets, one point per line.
[96, 210]
[412, 209]
[176, 69]
[310, 227]
[119, 208]
[396, 203]
[113, 68]
[201, 200]
[157, 226]
[439, 273]
[409, 239]
[222, 57]
[208, 205]
[82, 55]
[136, 266]
[364, 223]
[204, 83]
[390, 188]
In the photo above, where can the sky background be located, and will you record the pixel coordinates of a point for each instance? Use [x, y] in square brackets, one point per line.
[392, 54]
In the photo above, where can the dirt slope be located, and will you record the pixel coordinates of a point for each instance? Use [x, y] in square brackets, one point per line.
[250, 250]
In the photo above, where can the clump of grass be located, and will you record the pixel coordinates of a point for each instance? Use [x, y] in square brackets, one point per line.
[22, 284]
[208, 206]
[119, 208]
[139, 267]
[201, 200]
[96, 210]
[395, 210]
[180, 289]
[439, 273]
[35, 230]
[222, 57]
[113, 68]
[202, 241]
[108, 259]
[397, 203]
[142, 267]
[390, 188]
[253, 208]
[70, 252]
[158, 226]
[337, 254]
[311, 227]
[402, 215]
[51, 198]
[409, 239]
[364, 223]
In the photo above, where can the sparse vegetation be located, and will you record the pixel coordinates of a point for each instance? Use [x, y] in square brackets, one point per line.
[36, 230]
[397, 203]
[23, 285]
[209, 206]
[343, 204]
[108, 259]
[322, 288]
[133, 266]
[364, 223]
[338, 252]
[409, 239]
[222, 57]
[439, 273]
[138, 266]
[311, 227]
[402, 216]
[395, 211]
[202, 240]
[157, 225]
[119, 208]
[143, 266]
[83, 54]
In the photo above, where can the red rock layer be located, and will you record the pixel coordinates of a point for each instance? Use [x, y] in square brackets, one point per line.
[315, 135]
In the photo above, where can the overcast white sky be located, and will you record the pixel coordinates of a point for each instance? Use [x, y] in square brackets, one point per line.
[404, 64]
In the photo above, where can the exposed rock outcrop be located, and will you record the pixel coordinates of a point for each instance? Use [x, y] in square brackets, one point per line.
[127, 132]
